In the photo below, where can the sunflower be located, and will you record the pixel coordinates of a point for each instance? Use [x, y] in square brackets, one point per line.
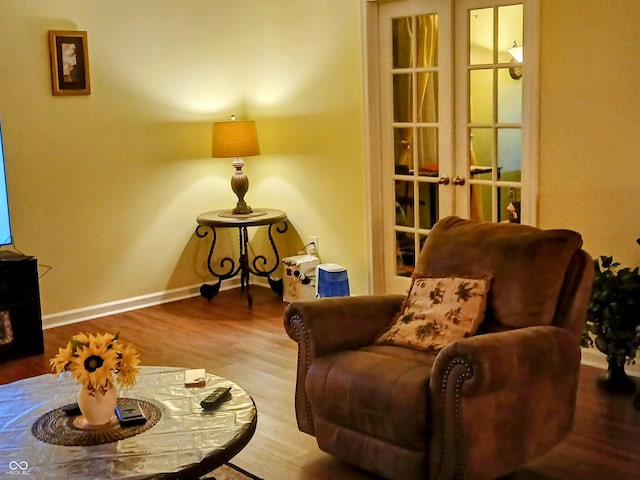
[97, 361]
[106, 339]
[79, 340]
[61, 361]
[129, 361]
[93, 367]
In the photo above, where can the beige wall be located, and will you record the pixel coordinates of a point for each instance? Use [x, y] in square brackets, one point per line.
[589, 123]
[106, 188]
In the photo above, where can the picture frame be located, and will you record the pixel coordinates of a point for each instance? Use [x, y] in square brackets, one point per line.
[69, 62]
[6, 332]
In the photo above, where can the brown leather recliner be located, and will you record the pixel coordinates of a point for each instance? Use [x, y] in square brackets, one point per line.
[477, 409]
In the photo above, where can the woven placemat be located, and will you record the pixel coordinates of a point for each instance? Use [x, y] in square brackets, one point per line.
[58, 428]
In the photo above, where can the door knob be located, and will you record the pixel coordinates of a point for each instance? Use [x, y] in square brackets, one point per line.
[444, 180]
[458, 180]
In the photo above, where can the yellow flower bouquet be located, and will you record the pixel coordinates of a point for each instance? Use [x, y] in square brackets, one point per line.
[98, 361]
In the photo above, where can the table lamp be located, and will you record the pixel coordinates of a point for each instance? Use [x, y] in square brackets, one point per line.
[236, 139]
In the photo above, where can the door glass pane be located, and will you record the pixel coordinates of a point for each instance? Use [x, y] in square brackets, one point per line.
[427, 41]
[513, 204]
[481, 36]
[404, 203]
[509, 154]
[405, 253]
[476, 210]
[402, 98]
[427, 97]
[422, 238]
[509, 98]
[428, 205]
[427, 151]
[482, 151]
[509, 202]
[402, 150]
[402, 51]
[481, 202]
[481, 101]
[510, 30]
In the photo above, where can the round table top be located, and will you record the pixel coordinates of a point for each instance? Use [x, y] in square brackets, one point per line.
[186, 442]
[225, 218]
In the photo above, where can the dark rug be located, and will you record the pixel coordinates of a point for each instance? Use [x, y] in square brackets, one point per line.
[229, 471]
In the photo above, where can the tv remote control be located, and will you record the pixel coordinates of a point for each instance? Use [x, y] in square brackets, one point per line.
[218, 396]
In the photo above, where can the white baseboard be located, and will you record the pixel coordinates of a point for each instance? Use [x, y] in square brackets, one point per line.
[128, 304]
[595, 358]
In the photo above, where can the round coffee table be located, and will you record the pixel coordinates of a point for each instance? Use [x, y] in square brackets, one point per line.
[185, 442]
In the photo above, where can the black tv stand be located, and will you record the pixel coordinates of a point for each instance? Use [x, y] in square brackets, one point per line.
[20, 313]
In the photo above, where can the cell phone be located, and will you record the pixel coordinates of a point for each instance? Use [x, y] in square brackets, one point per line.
[130, 413]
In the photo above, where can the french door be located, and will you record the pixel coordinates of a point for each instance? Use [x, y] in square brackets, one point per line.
[452, 111]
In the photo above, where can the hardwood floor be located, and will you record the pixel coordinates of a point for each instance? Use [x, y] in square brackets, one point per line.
[250, 347]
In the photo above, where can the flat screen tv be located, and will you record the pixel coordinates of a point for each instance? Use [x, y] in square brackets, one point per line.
[5, 222]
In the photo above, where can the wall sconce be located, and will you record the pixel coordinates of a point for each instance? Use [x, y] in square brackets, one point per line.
[236, 139]
[517, 54]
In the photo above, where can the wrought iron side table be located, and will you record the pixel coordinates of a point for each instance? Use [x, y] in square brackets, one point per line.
[229, 267]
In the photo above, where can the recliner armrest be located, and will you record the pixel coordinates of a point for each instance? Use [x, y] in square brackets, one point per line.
[490, 391]
[330, 324]
[510, 359]
[339, 323]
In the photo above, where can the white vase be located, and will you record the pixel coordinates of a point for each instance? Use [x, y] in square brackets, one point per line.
[97, 409]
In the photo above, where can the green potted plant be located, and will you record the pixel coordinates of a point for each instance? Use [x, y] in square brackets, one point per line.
[613, 321]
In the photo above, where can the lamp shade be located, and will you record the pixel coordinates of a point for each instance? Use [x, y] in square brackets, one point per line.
[517, 52]
[234, 139]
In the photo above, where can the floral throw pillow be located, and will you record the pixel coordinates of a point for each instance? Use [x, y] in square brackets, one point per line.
[437, 312]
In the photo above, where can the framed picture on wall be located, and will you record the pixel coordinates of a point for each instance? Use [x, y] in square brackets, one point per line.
[69, 63]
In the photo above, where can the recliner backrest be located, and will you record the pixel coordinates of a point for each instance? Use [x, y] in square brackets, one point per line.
[530, 268]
